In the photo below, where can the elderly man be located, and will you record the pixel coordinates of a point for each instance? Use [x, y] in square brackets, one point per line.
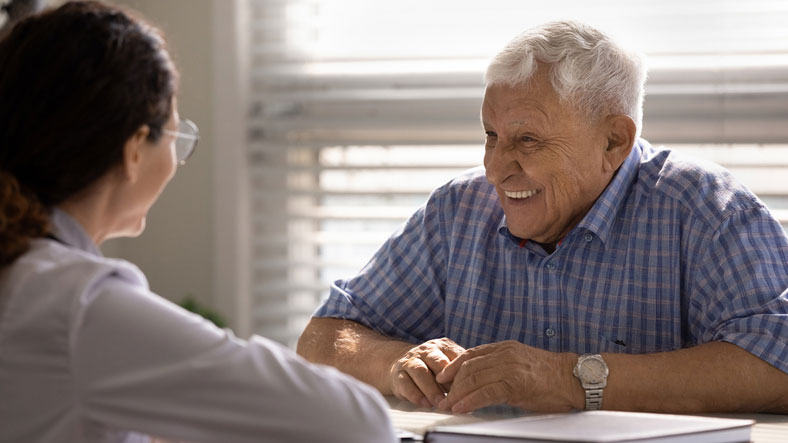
[582, 269]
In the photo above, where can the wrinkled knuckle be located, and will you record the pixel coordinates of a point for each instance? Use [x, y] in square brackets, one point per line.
[432, 353]
[480, 396]
[398, 377]
[507, 385]
[409, 365]
[510, 387]
[420, 370]
[502, 392]
[401, 363]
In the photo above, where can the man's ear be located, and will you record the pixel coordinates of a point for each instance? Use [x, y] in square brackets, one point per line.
[133, 153]
[620, 139]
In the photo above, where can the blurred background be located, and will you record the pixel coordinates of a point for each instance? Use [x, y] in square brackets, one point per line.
[325, 123]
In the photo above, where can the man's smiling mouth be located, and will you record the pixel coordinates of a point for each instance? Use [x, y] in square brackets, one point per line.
[520, 194]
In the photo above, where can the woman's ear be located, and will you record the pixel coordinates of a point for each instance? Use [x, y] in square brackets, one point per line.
[620, 139]
[133, 153]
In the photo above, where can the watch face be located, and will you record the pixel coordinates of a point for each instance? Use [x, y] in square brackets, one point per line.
[593, 371]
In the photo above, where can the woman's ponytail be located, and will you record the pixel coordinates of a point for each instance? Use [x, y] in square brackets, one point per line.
[22, 218]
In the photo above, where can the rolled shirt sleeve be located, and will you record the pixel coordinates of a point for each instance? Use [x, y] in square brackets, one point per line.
[400, 292]
[739, 294]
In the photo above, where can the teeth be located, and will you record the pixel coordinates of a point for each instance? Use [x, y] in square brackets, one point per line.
[520, 194]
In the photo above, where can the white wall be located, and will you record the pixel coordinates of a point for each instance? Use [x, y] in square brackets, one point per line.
[176, 251]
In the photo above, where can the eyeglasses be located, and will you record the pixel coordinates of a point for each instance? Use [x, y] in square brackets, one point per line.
[187, 137]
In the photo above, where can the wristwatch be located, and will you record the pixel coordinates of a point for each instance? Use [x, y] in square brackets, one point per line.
[592, 372]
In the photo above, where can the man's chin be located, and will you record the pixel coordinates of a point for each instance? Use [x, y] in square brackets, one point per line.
[530, 234]
[525, 234]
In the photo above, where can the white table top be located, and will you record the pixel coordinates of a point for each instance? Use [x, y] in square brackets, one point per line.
[769, 428]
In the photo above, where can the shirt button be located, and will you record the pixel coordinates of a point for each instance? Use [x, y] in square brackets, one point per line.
[588, 238]
[549, 332]
[551, 266]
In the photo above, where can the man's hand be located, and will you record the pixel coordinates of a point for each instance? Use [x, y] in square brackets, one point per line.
[413, 375]
[512, 373]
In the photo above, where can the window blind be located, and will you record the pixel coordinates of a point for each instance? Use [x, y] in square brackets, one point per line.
[358, 109]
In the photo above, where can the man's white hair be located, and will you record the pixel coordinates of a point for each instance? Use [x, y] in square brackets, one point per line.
[587, 68]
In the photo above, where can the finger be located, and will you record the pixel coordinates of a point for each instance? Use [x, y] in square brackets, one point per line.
[436, 360]
[487, 395]
[449, 372]
[450, 348]
[469, 380]
[425, 380]
[403, 387]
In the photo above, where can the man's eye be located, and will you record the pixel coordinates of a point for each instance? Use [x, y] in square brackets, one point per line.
[491, 134]
[527, 139]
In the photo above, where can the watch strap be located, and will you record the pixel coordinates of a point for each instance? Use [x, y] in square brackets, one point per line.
[593, 399]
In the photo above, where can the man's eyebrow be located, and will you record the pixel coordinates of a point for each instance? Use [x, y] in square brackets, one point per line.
[515, 123]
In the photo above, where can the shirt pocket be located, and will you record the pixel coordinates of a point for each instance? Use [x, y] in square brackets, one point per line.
[608, 343]
[622, 341]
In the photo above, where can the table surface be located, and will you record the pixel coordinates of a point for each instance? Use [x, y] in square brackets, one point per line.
[769, 428]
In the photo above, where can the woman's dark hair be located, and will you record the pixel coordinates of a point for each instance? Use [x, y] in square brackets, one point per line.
[76, 83]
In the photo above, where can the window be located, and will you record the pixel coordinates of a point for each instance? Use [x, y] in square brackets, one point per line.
[359, 109]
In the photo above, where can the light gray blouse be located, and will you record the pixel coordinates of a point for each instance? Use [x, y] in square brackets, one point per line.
[89, 354]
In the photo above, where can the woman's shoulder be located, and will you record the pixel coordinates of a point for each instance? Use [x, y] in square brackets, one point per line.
[51, 260]
[51, 277]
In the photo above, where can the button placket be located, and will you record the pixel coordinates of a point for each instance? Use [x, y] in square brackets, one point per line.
[588, 237]
[551, 317]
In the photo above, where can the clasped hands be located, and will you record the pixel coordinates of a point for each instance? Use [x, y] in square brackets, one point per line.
[442, 374]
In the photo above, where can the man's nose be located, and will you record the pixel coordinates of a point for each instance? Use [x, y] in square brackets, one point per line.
[499, 164]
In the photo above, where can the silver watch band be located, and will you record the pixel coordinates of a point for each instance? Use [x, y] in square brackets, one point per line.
[593, 399]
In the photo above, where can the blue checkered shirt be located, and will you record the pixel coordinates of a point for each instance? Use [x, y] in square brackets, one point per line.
[674, 253]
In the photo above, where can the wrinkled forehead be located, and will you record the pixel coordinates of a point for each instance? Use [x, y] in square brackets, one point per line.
[534, 100]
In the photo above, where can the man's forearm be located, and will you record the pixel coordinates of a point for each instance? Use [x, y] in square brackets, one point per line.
[353, 349]
[714, 377]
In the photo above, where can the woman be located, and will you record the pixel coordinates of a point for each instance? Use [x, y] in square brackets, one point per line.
[88, 130]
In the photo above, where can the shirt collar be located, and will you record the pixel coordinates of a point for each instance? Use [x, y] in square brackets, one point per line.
[67, 230]
[601, 216]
